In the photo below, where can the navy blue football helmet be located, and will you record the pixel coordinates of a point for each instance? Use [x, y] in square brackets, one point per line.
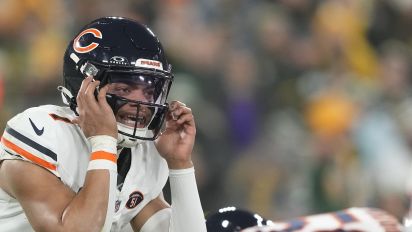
[120, 50]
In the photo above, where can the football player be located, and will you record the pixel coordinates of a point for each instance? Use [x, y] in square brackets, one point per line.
[100, 163]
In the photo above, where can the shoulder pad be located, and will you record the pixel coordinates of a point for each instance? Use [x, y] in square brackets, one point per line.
[32, 135]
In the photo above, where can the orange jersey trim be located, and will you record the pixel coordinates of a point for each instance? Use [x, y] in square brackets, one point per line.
[103, 155]
[63, 119]
[28, 155]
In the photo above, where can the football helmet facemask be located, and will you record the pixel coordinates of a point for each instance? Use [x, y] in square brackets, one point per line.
[120, 51]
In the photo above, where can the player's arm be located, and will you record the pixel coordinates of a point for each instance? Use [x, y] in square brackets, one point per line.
[176, 145]
[50, 205]
[160, 222]
[184, 215]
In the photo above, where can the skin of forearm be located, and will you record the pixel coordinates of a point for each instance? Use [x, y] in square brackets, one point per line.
[87, 210]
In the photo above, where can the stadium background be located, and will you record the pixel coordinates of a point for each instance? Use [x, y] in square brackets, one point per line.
[302, 106]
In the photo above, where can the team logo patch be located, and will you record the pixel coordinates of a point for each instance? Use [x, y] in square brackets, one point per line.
[117, 205]
[88, 48]
[134, 199]
[145, 63]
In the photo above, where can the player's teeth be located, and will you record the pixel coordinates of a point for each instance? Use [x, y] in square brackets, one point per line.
[132, 119]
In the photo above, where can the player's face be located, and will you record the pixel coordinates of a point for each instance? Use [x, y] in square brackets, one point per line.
[135, 91]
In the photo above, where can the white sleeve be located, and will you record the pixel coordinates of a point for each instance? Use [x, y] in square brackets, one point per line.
[185, 214]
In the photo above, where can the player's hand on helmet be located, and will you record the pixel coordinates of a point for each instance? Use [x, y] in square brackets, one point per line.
[175, 144]
[95, 115]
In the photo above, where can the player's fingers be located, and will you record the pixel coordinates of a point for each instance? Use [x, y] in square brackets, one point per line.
[101, 97]
[81, 93]
[85, 83]
[180, 120]
[75, 120]
[91, 88]
[178, 110]
[89, 96]
[186, 119]
[174, 104]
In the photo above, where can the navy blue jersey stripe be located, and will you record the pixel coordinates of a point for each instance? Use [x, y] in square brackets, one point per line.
[11, 153]
[31, 143]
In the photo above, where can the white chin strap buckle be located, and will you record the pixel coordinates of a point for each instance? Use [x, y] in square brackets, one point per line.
[65, 93]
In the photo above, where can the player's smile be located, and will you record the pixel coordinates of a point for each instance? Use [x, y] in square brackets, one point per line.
[129, 118]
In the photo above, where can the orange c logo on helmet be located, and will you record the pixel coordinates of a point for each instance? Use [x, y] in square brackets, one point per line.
[95, 32]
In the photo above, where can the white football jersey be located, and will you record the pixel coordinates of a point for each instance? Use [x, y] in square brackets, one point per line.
[46, 137]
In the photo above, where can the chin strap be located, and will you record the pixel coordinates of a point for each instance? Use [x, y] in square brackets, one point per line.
[65, 93]
[68, 98]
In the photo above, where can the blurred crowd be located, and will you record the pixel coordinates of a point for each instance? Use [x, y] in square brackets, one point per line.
[302, 106]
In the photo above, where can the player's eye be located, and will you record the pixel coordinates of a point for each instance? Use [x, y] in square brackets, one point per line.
[124, 90]
[149, 94]
[120, 90]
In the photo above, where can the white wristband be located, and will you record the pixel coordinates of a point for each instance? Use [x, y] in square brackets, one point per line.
[103, 143]
[104, 155]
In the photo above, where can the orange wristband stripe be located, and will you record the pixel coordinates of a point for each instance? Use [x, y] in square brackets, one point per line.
[103, 155]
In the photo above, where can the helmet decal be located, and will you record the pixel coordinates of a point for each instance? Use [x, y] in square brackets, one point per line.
[76, 45]
[119, 60]
[145, 63]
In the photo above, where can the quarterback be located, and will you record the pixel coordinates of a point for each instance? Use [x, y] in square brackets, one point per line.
[100, 163]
